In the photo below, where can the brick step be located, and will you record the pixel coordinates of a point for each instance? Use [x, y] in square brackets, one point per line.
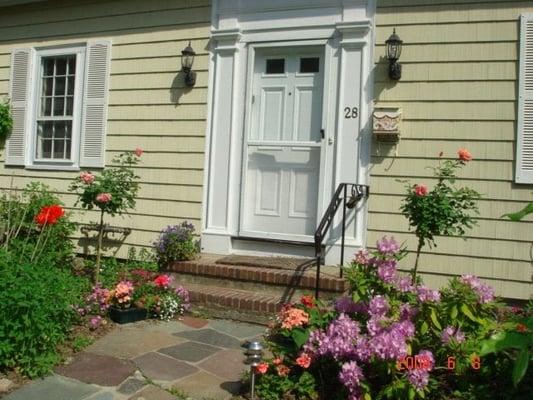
[231, 303]
[242, 277]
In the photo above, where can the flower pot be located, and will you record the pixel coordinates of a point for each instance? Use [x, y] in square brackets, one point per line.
[127, 315]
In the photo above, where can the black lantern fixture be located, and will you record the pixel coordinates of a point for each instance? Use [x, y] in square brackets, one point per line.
[187, 61]
[394, 49]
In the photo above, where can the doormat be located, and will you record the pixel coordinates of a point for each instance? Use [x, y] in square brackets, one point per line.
[290, 263]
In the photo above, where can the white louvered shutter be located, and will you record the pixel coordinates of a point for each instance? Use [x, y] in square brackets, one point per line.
[524, 157]
[94, 121]
[21, 60]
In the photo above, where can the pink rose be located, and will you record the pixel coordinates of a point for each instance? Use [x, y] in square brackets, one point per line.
[464, 155]
[421, 190]
[261, 368]
[162, 280]
[138, 151]
[86, 177]
[104, 197]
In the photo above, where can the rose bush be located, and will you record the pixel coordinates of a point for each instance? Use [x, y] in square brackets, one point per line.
[394, 338]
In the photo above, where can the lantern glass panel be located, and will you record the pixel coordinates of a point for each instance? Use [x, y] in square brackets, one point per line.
[187, 61]
[394, 50]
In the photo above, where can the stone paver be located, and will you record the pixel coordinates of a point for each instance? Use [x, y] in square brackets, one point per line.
[53, 388]
[212, 337]
[98, 369]
[228, 364]
[6, 385]
[159, 367]
[131, 386]
[195, 323]
[190, 351]
[169, 327]
[204, 385]
[128, 343]
[239, 330]
[102, 396]
[153, 393]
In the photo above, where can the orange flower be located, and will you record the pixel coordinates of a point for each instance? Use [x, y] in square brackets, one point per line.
[283, 370]
[277, 361]
[261, 368]
[308, 301]
[521, 328]
[304, 360]
[464, 155]
[292, 317]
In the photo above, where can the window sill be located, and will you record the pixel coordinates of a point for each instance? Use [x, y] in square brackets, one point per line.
[55, 167]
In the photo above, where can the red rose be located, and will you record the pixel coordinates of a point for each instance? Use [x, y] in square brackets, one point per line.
[162, 280]
[421, 190]
[464, 155]
[49, 215]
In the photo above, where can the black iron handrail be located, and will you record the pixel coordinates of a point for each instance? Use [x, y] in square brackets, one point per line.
[357, 192]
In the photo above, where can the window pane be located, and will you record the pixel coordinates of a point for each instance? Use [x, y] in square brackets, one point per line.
[48, 66]
[48, 85]
[59, 105]
[59, 148]
[71, 65]
[54, 140]
[70, 85]
[309, 65]
[70, 106]
[275, 66]
[59, 88]
[46, 106]
[61, 66]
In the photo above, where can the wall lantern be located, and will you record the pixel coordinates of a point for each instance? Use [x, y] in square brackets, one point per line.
[394, 49]
[187, 60]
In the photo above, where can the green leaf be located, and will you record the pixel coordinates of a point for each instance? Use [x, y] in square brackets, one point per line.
[299, 336]
[424, 328]
[466, 311]
[412, 393]
[502, 341]
[453, 312]
[368, 396]
[517, 216]
[520, 366]
[434, 319]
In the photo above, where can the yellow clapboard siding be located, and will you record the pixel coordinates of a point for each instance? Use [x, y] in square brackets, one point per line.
[146, 190]
[158, 96]
[158, 112]
[74, 9]
[458, 130]
[461, 11]
[155, 64]
[457, 71]
[390, 203]
[472, 247]
[489, 189]
[446, 91]
[165, 49]
[106, 25]
[165, 160]
[485, 229]
[489, 170]
[497, 110]
[503, 51]
[156, 128]
[166, 80]
[154, 144]
[418, 148]
[461, 32]
[4, 74]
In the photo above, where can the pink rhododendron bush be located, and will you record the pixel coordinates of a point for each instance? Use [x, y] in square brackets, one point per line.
[395, 338]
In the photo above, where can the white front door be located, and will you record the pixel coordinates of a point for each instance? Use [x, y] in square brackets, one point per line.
[283, 145]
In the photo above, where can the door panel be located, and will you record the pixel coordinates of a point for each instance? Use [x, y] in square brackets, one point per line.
[283, 145]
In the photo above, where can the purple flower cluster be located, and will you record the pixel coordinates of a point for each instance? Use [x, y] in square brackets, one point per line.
[388, 247]
[350, 376]
[484, 292]
[425, 294]
[173, 233]
[419, 377]
[387, 270]
[96, 302]
[185, 298]
[362, 257]
[452, 334]
[346, 305]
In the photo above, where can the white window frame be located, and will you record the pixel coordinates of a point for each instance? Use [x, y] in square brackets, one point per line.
[36, 86]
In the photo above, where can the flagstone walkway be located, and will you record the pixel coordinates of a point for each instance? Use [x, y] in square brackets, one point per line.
[190, 359]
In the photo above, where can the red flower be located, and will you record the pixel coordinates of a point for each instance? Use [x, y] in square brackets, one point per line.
[162, 280]
[308, 301]
[464, 155]
[421, 190]
[304, 360]
[49, 215]
[521, 328]
[261, 368]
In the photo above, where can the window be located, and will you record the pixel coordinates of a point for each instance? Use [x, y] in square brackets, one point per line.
[275, 66]
[59, 106]
[309, 65]
[524, 148]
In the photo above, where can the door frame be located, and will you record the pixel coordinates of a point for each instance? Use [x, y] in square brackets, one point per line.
[253, 48]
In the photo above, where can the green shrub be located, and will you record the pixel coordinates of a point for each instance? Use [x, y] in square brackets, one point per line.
[176, 243]
[36, 308]
[6, 121]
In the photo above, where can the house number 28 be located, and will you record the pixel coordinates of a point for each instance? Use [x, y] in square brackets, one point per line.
[351, 112]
